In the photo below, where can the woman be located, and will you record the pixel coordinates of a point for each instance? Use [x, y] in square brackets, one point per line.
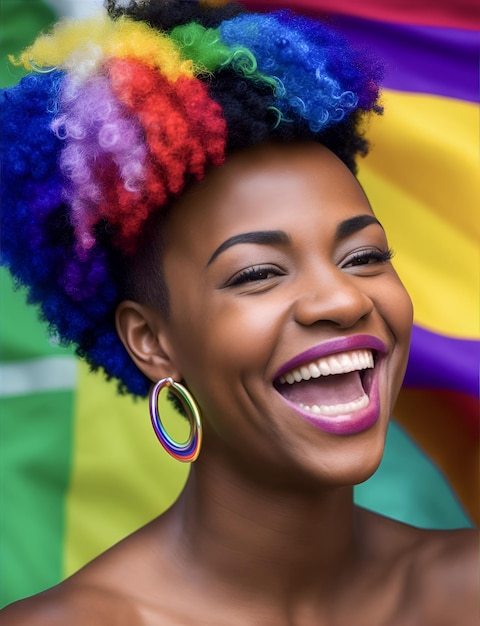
[184, 210]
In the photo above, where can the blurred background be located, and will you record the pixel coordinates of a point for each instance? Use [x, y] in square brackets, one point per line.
[80, 467]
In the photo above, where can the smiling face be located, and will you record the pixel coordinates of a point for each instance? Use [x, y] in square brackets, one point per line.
[287, 320]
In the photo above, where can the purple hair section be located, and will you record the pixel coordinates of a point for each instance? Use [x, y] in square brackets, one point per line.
[321, 79]
[96, 129]
[37, 239]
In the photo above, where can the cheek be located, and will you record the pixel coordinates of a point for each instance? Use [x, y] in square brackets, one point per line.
[226, 348]
[396, 308]
[241, 333]
[401, 308]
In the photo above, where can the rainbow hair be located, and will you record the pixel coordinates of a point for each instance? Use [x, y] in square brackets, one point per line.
[120, 112]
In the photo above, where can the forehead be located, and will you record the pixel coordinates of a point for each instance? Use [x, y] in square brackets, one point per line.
[268, 187]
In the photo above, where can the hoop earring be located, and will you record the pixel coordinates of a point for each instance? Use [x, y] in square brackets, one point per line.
[189, 451]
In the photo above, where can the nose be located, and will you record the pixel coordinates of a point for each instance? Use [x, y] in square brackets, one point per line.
[334, 296]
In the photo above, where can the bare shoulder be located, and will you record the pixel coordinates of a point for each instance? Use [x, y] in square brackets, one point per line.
[447, 563]
[115, 589]
[71, 604]
[439, 568]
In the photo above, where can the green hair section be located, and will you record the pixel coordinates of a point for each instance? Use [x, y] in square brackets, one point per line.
[204, 47]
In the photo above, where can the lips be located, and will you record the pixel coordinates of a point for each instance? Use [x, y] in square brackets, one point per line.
[334, 386]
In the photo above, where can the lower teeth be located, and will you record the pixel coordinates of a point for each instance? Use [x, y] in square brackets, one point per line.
[337, 409]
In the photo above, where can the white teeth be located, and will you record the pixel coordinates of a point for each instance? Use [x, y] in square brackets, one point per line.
[337, 409]
[333, 364]
[314, 371]
[324, 368]
[306, 375]
[336, 366]
[297, 374]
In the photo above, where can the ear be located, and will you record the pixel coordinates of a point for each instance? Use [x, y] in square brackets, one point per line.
[143, 332]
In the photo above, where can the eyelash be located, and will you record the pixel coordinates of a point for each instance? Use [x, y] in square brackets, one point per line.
[254, 274]
[263, 272]
[365, 256]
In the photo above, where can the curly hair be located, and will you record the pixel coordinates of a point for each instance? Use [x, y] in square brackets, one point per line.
[122, 111]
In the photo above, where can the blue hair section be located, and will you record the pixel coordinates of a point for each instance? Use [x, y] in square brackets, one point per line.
[76, 297]
[29, 173]
[319, 78]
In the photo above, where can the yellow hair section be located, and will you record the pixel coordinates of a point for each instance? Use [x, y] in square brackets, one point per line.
[80, 46]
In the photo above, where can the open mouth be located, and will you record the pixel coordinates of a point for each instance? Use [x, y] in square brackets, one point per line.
[334, 385]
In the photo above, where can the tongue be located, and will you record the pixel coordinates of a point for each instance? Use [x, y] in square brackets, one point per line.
[326, 390]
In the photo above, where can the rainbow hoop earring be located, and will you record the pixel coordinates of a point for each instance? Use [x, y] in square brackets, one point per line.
[189, 451]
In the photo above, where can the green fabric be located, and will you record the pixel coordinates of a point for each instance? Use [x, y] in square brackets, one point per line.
[35, 429]
[35, 445]
[22, 336]
[21, 21]
[409, 487]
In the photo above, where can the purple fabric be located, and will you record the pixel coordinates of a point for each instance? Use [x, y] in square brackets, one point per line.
[420, 59]
[440, 362]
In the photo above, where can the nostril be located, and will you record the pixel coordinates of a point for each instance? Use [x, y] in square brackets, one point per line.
[341, 307]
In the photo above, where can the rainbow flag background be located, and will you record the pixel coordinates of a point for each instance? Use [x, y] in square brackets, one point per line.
[80, 467]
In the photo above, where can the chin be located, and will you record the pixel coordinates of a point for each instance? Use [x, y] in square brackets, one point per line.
[350, 464]
[355, 475]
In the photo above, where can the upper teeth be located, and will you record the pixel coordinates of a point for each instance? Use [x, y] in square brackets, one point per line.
[341, 363]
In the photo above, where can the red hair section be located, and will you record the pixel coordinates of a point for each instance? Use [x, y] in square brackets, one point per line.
[184, 132]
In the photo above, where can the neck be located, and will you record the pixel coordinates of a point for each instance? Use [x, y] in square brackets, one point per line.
[248, 534]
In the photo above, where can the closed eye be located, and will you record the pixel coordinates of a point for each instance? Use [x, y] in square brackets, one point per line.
[368, 257]
[254, 274]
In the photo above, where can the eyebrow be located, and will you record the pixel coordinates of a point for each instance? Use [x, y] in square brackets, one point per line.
[260, 237]
[354, 224]
[275, 237]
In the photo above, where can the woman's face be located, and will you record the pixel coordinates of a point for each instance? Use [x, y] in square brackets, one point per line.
[278, 272]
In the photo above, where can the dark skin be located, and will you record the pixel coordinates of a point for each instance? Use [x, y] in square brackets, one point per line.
[266, 532]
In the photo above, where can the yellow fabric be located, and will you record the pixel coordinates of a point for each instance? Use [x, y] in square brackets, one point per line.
[422, 180]
[121, 476]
